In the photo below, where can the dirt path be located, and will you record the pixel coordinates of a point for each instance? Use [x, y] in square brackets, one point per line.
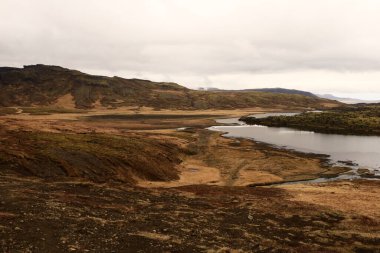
[234, 173]
[207, 143]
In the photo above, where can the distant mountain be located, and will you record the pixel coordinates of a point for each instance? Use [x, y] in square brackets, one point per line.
[42, 85]
[347, 100]
[286, 91]
[268, 90]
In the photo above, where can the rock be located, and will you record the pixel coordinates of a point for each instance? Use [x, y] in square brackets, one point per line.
[331, 217]
[250, 217]
[322, 240]
[320, 223]
[365, 172]
[348, 163]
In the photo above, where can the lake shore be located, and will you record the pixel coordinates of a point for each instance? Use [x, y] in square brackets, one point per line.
[207, 157]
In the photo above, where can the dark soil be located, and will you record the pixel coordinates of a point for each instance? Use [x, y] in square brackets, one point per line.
[46, 216]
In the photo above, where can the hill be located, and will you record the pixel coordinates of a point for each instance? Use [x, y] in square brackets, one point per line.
[270, 90]
[287, 91]
[93, 157]
[42, 85]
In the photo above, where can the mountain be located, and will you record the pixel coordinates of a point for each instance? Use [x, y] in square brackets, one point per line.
[269, 90]
[347, 100]
[43, 85]
[287, 91]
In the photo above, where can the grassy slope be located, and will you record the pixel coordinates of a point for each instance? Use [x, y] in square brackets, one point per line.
[43, 85]
[96, 157]
[358, 120]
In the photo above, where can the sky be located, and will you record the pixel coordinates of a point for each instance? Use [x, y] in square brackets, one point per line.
[324, 46]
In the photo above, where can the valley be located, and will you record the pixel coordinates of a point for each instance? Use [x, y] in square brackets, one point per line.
[83, 172]
[176, 126]
[85, 181]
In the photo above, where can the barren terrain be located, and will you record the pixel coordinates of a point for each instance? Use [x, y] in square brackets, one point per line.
[127, 180]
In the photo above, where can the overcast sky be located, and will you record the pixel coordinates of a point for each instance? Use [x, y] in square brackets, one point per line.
[324, 46]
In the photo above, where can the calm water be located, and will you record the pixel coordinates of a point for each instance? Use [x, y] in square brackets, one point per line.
[363, 150]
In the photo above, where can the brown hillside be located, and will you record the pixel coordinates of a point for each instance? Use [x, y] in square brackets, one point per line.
[94, 157]
[41, 85]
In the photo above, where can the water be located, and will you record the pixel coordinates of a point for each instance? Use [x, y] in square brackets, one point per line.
[362, 150]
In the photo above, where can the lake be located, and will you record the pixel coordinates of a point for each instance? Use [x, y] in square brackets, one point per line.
[362, 150]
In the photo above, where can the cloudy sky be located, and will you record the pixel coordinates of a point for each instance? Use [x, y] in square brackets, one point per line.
[324, 46]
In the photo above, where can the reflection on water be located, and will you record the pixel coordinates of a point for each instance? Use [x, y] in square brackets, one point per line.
[363, 150]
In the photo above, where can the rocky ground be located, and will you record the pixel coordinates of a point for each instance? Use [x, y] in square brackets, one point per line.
[43, 216]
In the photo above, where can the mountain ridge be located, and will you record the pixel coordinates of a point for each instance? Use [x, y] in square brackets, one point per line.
[269, 90]
[43, 85]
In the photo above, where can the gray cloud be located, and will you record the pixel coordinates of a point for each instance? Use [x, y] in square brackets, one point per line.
[315, 45]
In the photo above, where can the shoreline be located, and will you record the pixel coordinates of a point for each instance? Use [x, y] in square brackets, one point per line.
[325, 161]
[357, 120]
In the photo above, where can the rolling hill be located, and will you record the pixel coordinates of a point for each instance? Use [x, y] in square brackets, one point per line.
[43, 85]
[286, 91]
[269, 90]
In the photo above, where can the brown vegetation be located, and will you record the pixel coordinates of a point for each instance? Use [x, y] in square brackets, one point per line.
[96, 157]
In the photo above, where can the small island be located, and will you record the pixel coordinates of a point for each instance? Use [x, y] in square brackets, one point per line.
[361, 119]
